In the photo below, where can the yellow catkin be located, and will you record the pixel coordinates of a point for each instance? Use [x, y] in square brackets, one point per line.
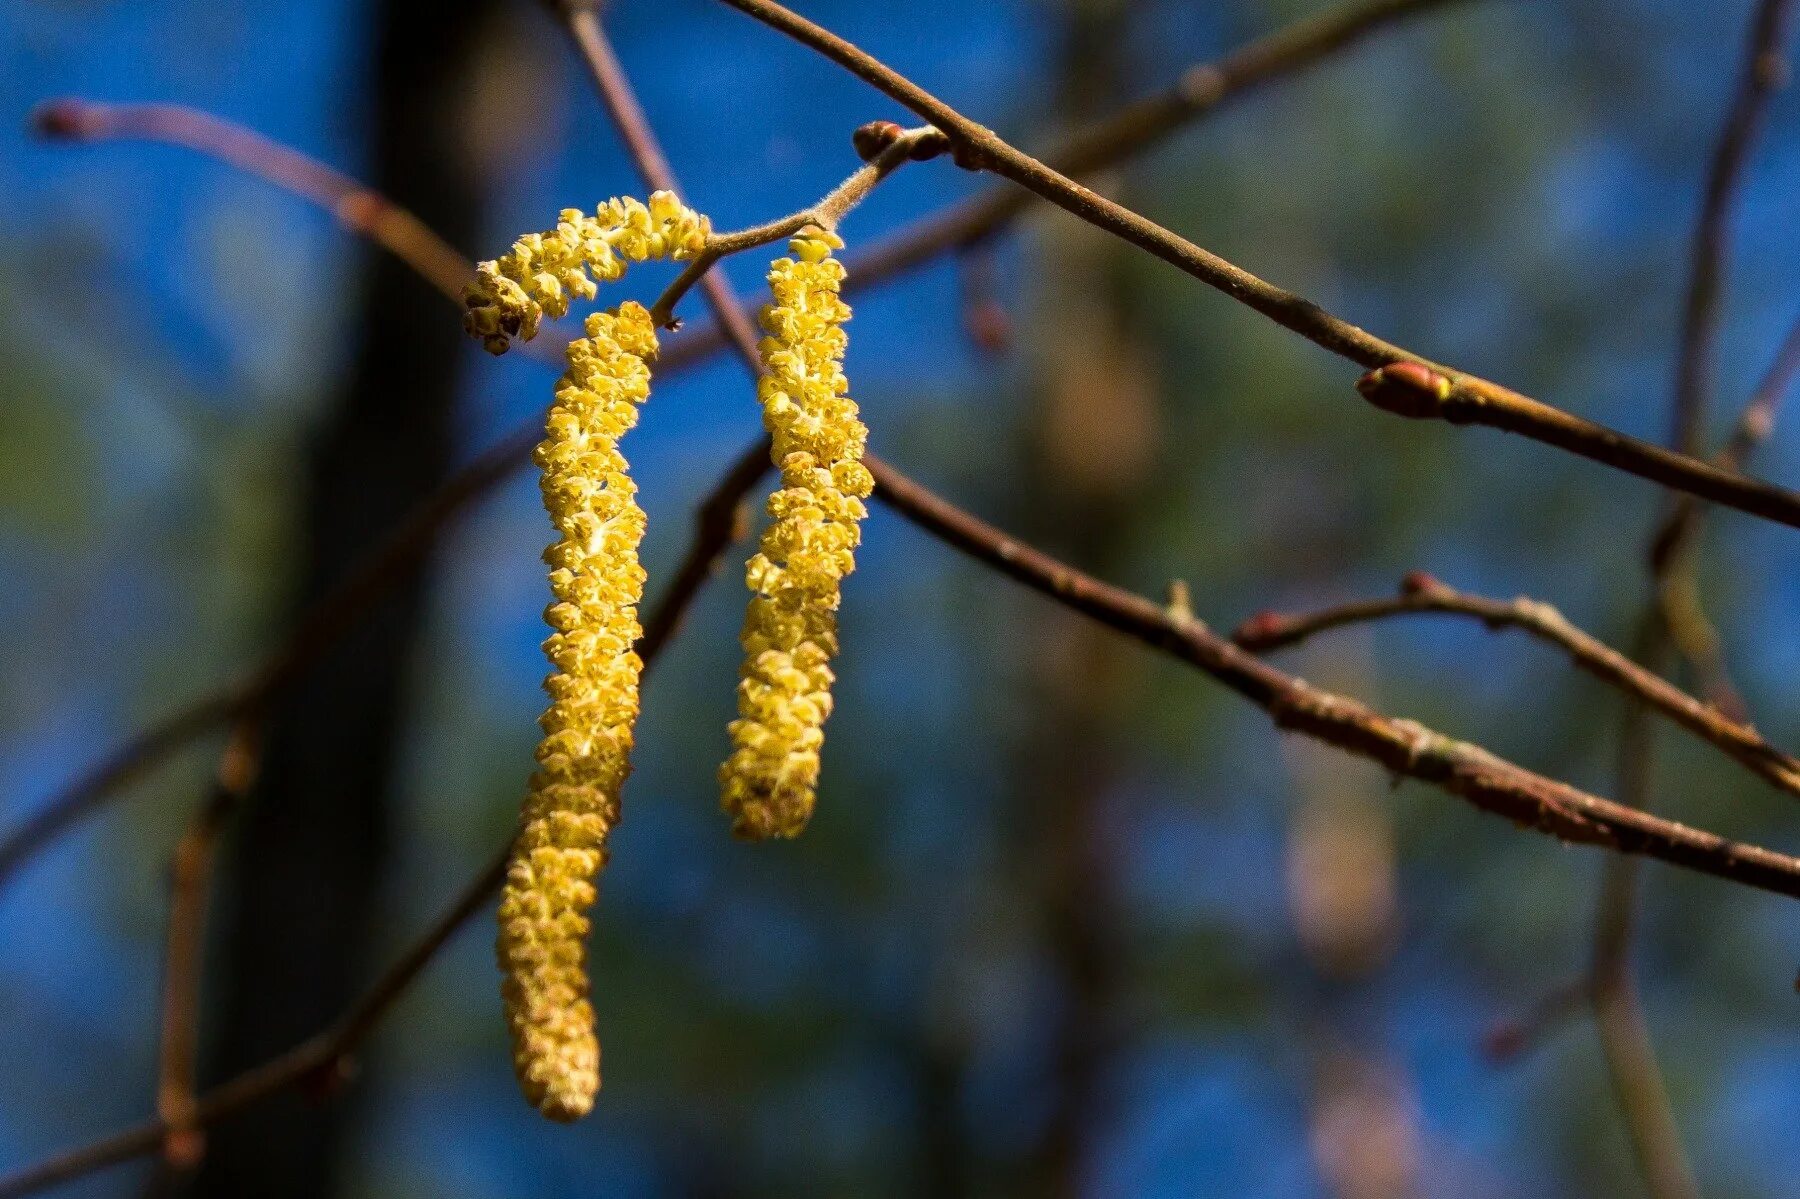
[596, 583]
[769, 782]
[512, 294]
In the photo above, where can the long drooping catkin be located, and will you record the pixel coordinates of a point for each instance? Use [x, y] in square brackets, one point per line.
[596, 582]
[770, 781]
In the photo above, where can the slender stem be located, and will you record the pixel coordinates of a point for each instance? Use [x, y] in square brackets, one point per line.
[1403, 747]
[1763, 74]
[1423, 594]
[184, 961]
[825, 214]
[1674, 618]
[1464, 398]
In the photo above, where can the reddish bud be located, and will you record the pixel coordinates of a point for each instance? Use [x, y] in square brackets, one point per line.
[1419, 582]
[1262, 627]
[67, 119]
[1409, 389]
[871, 139]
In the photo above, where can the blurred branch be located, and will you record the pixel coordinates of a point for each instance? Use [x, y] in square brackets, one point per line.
[1763, 74]
[1674, 618]
[1405, 748]
[1399, 381]
[1422, 594]
[1202, 89]
[322, 626]
[184, 955]
[1678, 593]
[358, 208]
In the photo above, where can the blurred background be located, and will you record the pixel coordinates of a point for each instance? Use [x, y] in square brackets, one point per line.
[1070, 920]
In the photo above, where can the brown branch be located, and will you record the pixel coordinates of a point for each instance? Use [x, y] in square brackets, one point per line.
[319, 628]
[1672, 546]
[319, 1062]
[1259, 62]
[1403, 747]
[1426, 391]
[356, 207]
[322, 1061]
[190, 885]
[1675, 618]
[1764, 73]
[1422, 594]
[1200, 90]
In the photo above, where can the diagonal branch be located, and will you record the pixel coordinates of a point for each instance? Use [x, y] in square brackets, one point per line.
[1403, 747]
[1449, 395]
[1422, 594]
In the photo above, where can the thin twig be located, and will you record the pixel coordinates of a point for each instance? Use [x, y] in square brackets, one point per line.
[321, 626]
[1674, 617]
[1422, 594]
[190, 885]
[1447, 395]
[1134, 130]
[1763, 73]
[825, 214]
[1672, 556]
[356, 207]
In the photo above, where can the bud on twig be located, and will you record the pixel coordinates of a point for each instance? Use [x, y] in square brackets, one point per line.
[65, 119]
[872, 139]
[1259, 629]
[1419, 582]
[1409, 389]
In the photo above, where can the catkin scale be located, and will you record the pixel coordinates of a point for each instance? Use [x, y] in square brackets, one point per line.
[596, 583]
[769, 783]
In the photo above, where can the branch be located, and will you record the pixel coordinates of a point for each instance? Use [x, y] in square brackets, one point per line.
[1675, 618]
[908, 145]
[319, 628]
[1422, 594]
[356, 207]
[1422, 390]
[184, 957]
[1764, 73]
[1403, 747]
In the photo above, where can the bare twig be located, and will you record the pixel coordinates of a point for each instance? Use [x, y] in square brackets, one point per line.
[1764, 73]
[1675, 618]
[1672, 548]
[190, 886]
[357, 207]
[1427, 391]
[1422, 594]
[825, 214]
[319, 628]
[1405, 748]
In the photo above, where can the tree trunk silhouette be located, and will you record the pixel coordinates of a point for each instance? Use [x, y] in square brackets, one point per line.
[315, 839]
[1090, 443]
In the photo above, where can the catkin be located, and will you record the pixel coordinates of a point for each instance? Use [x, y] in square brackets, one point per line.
[596, 583]
[769, 783]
